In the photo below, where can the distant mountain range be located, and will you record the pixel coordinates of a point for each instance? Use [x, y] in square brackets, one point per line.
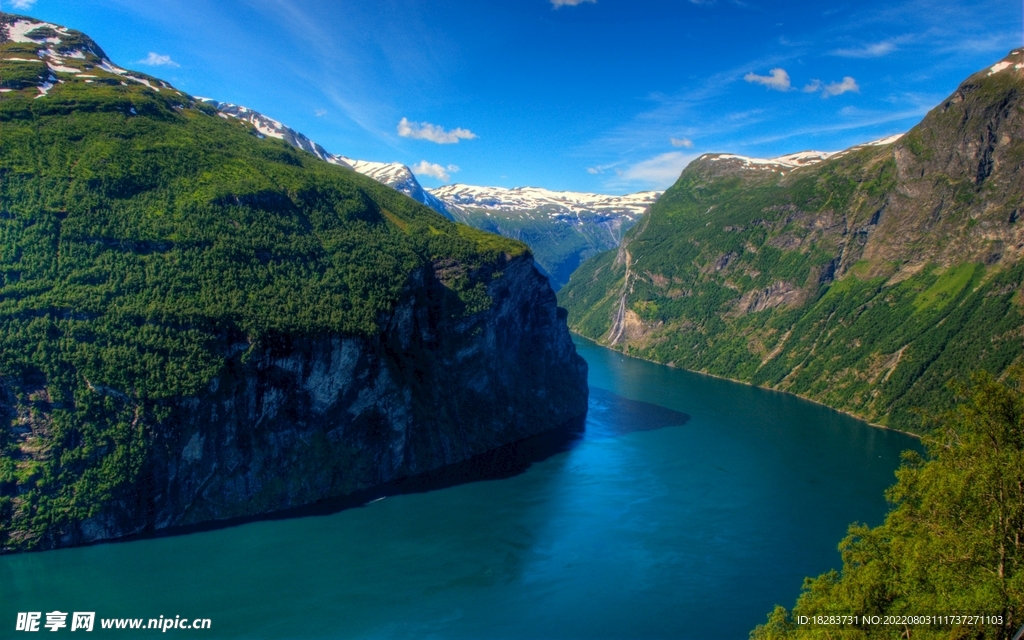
[563, 228]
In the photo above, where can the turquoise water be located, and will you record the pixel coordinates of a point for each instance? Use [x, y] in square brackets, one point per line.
[687, 508]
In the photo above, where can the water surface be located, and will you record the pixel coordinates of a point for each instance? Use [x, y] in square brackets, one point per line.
[687, 508]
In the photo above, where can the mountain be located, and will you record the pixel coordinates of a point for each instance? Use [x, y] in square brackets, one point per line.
[199, 321]
[563, 228]
[864, 280]
[399, 177]
[395, 175]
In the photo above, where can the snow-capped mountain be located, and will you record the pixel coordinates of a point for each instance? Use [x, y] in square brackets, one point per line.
[562, 227]
[400, 178]
[555, 204]
[69, 56]
[784, 164]
[272, 128]
[780, 164]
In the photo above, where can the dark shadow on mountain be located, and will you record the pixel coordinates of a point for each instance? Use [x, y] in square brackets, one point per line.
[609, 416]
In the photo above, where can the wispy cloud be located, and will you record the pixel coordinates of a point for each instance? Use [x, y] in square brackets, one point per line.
[681, 142]
[839, 88]
[320, 112]
[601, 168]
[854, 119]
[432, 132]
[995, 43]
[875, 50]
[569, 3]
[22, 4]
[778, 80]
[158, 60]
[658, 172]
[424, 168]
[812, 87]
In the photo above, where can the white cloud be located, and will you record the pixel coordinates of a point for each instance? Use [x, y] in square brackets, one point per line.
[569, 3]
[875, 50]
[839, 88]
[22, 4]
[812, 87]
[432, 132]
[424, 168]
[658, 172]
[601, 168]
[157, 60]
[681, 142]
[778, 80]
[320, 112]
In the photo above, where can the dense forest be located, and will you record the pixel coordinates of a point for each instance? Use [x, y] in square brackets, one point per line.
[140, 236]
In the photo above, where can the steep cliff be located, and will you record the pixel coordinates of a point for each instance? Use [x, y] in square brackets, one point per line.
[865, 279]
[198, 322]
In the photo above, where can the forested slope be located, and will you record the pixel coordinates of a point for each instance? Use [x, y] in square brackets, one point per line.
[865, 281]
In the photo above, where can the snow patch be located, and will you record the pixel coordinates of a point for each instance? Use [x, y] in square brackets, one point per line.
[16, 30]
[883, 141]
[46, 86]
[109, 67]
[63, 69]
[142, 81]
[791, 161]
[999, 66]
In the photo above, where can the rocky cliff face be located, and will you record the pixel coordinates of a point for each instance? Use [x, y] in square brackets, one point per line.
[295, 420]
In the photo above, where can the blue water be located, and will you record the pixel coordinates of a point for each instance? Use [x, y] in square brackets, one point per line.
[687, 508]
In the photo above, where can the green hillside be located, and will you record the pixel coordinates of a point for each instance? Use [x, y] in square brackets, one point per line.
[865, 282]
[140, 235]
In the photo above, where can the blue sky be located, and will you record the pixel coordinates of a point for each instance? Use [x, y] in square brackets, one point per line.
[610, 96]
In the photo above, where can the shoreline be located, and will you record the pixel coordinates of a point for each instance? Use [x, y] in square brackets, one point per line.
[750, 384]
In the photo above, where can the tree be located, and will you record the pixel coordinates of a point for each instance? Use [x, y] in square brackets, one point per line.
[952, 543]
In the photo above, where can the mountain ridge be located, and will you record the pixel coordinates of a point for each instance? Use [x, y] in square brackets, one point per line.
[864, 281]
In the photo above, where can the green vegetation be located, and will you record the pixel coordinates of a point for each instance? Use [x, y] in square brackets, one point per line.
[952, 543]
[142, 238]
[829, 281]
